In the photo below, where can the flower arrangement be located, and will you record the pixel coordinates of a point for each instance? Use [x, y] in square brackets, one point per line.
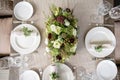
[61, 31]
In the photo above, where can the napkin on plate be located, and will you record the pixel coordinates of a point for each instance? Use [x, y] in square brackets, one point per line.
[54, 68]
[21, 33]
[104, 44]
[117, 35]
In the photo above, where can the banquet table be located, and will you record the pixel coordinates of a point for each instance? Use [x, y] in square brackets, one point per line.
[83, 10]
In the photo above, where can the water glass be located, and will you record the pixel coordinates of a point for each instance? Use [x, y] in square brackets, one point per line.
[19, 61]
[90, 76]
[80, 71]
[114, 13]
[104, 8]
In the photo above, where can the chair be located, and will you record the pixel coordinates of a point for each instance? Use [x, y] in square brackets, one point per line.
[5, 28]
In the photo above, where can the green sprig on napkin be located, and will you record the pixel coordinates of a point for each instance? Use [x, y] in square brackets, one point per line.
[26, 31]
[54, 76]
[99, 48]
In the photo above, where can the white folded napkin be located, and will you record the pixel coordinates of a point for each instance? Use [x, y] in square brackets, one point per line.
[104, 44]
[54, 68]
[21, 33]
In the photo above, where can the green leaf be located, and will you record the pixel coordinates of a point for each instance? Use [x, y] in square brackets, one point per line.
[99, 48]
[26, 31]
[54, 75]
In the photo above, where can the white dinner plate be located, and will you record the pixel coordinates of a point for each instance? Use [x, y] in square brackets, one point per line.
[106, 70]
[100, 34]
[25, 44]
[23, 10]
[29, 75]
[64, 72]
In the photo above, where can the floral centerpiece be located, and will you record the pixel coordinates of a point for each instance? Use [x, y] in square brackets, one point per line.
[61, 31]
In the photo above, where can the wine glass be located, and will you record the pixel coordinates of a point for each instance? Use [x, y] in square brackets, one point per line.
[80, 71]
[114, 13]
[104, 8]
[90, 76]
[18, 61]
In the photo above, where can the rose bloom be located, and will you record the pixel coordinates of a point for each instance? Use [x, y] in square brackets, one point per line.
[60, 19]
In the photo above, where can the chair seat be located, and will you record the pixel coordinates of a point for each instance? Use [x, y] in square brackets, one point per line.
[5, 31]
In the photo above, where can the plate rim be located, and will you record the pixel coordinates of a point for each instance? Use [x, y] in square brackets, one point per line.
[20, 50]
[30, 71]
[23, 2]
[103, 62]
[58, 64]
[101, 27]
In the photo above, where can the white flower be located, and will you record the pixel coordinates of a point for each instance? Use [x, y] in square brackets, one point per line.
[57, 43]
[46, 41]
[55, 29]
[73, 49]
[67, 23]
[52, 41]
[76, 26]
[74, 32]
[47, 49]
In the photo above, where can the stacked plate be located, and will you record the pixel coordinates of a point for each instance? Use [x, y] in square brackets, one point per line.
[64, 72]
[19, 41]
[25, 44]
[100, 42]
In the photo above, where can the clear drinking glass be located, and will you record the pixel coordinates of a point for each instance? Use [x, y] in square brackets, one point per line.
[104, 8]
[19, 61]
[90, 76]
[80, 71]
[114, 13]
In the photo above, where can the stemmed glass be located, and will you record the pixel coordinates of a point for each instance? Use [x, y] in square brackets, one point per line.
[18, 61]
[90, 76]
[114, 13]
[81, 74]
[80, 71]
[104, 8]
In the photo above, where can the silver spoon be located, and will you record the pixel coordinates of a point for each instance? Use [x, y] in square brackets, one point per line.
[40, 73]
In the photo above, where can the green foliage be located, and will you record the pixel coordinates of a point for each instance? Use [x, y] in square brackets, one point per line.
[54, 76]
[26, 31]
[98, 48]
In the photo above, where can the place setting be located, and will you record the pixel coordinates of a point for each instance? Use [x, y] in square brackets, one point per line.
[25, 38]
[100, 42]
